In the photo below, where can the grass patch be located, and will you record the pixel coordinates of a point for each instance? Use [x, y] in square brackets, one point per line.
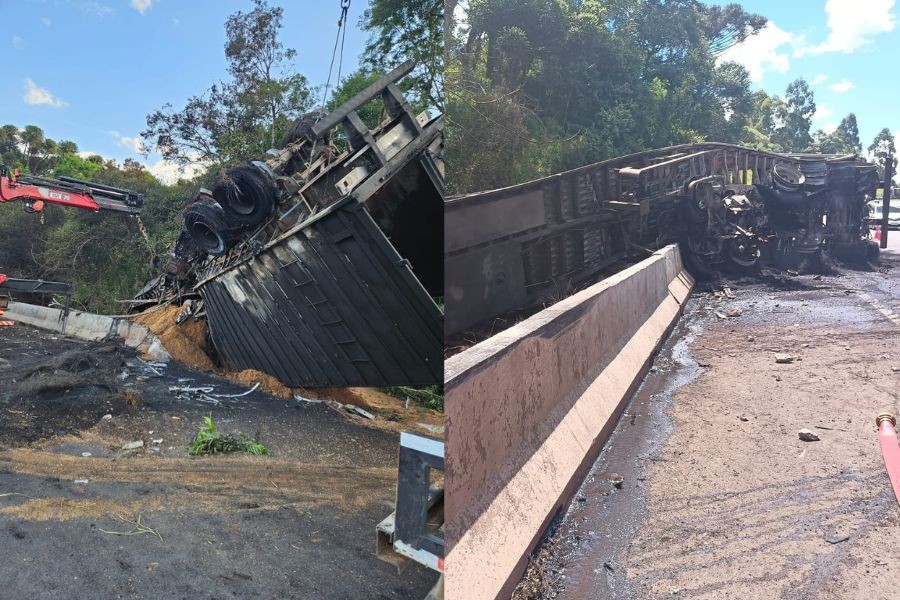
[209, 440]
[429, 396]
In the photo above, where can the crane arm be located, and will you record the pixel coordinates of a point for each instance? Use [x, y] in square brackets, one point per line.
[36, 192]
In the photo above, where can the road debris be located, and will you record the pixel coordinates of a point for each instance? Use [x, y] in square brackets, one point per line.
[735, 312]
[81, 481]
[617, 480]
[836, 539]
[890, 451]
[783, 358]
[806, 435]
[139, 529]
[360, 411]
[435, 429]
[250, 391]
[300, 398]
[133, 445]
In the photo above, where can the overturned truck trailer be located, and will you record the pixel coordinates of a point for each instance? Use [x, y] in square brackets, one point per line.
[727, 206]
[318, 266]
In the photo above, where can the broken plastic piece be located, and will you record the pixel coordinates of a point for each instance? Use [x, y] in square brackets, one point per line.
[890, 451]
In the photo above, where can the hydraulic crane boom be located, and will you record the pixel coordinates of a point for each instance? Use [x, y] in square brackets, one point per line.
[36, 192]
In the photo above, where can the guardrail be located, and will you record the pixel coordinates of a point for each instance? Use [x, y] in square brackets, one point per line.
[528, 410]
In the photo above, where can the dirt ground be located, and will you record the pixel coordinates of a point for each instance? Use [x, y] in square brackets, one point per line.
[299, 524]
[721, 499]
[188, 342]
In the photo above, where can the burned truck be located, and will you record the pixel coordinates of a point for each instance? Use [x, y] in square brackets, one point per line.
[728, 206]
[320, 263]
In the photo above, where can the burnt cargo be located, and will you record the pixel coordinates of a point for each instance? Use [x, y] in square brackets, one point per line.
[322, 266]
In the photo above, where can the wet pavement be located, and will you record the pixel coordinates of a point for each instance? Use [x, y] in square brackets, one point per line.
[692, 461]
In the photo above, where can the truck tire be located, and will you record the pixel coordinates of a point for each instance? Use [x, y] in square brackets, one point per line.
[245, 194]
[208, 229]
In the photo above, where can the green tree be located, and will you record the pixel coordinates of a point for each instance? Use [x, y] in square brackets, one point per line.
[548, 85]
[794, 117]
[843, 140]
[882, 147]
[246, 115]
[400, 30]
[72, 165]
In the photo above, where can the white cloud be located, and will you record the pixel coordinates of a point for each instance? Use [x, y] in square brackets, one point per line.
[36, 95]
[46, 21]
[764, 51]
[169, 172]
[819, 79]
[823, 111]
[132, 143]
[842, 86]
[176, 22]
[96, 8]
[141, 5]
[829, 127]
[853, 24]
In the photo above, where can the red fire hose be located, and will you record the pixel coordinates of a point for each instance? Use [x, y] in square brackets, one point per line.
[890, 451]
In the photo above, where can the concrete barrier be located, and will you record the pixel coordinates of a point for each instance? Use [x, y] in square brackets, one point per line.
[89, 326]
[528, 410]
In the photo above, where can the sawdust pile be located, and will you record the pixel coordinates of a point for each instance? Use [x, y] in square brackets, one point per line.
[267, 383]
[186, 342]
[394, 413]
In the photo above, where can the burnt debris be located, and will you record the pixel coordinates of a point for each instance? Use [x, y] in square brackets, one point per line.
[729, 207]
[321, 265]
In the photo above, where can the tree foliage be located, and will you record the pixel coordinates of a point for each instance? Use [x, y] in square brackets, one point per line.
[794, 117]
[400, 30]
[843, 140]
[245, 115]
[535, 86]
[29, 150]
[882, 147]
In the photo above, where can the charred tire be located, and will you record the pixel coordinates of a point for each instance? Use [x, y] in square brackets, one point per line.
[743, 253]
[299, 128]
[787, 178]
[245, 194]
[208, 229]
[873, 252]
[695, 264]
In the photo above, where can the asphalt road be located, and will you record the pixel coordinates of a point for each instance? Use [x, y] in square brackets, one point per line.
[299, 524]
[721, 499]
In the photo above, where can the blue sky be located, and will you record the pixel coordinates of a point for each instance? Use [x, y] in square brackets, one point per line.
[91, 70]
[845, 49]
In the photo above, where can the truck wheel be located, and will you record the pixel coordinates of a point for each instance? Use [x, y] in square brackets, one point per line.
[245, 194]
[209, 231]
